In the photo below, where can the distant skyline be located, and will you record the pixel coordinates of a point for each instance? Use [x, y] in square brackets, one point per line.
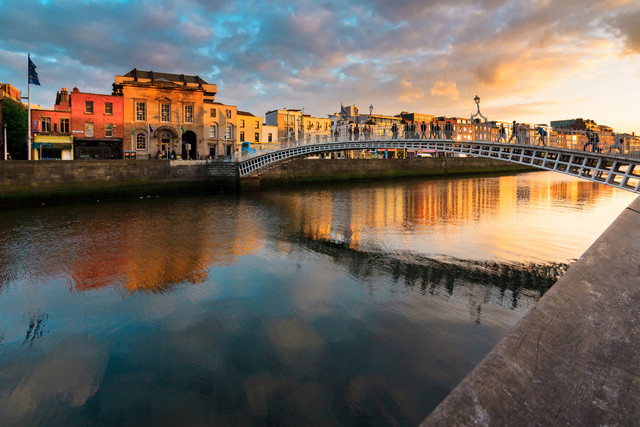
[530, 61]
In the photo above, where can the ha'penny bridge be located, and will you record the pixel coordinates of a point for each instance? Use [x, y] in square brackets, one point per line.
[588, 155]
[573, 358]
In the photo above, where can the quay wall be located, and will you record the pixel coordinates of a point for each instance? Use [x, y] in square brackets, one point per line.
[25, 182]
[573, 358]
[29, 182]
[301, 171]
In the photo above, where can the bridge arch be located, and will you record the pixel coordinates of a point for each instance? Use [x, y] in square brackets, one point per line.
[607, 168]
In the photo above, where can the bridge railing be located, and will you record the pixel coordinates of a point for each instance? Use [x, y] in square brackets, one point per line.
[526, 135]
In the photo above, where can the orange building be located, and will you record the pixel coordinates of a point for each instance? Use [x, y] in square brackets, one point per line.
[164, 114]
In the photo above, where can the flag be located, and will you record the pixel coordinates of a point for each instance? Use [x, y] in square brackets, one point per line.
[182, 127]
[131, 130]
[343, 112]
[33, 76]
[150, 128]
[355, 111]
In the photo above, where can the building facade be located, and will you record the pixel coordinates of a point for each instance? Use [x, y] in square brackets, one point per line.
[249, 128]
[221, 127]
[288, 122]
[52, 137]
[165, 114]
[96, 125]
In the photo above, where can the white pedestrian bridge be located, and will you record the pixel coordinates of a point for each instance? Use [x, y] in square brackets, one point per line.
[598, 157]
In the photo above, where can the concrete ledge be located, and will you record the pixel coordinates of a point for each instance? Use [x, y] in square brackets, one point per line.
[574, 359]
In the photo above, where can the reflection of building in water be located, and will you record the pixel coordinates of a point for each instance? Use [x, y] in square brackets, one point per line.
[343, 217]
[151, 253]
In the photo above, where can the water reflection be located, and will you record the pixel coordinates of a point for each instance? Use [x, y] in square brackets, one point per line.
[360, 304]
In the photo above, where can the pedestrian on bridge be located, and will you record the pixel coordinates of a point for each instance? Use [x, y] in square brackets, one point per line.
[502, 134]
[617, 144]
[515, 132]
[356, 133]
[448, 130]
[423, 130]
[394, 131]
[542, 134]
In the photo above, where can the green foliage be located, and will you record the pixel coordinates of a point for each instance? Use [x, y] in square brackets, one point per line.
[14, 115]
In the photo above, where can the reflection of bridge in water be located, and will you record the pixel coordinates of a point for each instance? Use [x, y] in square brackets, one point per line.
[596, 157]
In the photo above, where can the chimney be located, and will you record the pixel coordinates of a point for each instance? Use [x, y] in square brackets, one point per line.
[135, 74]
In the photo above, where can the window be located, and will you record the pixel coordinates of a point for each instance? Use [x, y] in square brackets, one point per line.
[108, 108]
[228, 114]
[212, 112]
[64, 125]
[141, 142]
[241, 123]
[188, 113]
[88, 130]
[242, 136]
[88, 107]
[141, 111]
[165, 112]
[227, 133]
[270, 138]
[256, 137]
[212, 132]
[46, 124]
[256, 125]
[108, 130]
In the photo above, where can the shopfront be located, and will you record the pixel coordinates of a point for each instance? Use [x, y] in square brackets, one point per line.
[52, 147]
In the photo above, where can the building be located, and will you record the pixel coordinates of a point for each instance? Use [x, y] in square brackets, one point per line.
[221, 129]
[288, 122]
[269, 134]
[249, 127]
[166, 114]
[8, 91]
[96, 125]
[52, 137]
[316, 124]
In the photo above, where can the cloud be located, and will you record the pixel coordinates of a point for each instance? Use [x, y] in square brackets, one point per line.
[316, 54]
[445, 89]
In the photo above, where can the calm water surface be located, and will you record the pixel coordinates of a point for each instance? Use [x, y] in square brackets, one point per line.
[346, 305]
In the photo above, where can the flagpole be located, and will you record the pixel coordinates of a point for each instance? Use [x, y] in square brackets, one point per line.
[29, 119]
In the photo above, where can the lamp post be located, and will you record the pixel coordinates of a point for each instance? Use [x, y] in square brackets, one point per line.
[478, 113]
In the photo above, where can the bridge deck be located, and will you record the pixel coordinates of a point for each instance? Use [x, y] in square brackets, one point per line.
[605, 166]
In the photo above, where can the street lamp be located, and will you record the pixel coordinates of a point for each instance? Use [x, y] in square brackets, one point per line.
[370, 110]
[477, 101]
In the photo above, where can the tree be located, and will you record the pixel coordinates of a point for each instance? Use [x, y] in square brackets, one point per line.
[14, 115]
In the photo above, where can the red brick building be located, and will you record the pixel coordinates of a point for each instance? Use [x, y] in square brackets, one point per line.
[52, 138]
[96, 125]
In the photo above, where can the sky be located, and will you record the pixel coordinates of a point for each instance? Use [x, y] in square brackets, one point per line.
[531, 61]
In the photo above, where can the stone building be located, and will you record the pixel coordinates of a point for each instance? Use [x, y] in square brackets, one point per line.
[169, 114]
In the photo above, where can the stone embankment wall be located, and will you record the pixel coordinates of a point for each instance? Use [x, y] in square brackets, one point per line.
[573, 358]
[28, 182]
[300, 171]
[23, 182]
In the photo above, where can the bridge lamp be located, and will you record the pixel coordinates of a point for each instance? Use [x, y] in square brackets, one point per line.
[370, 110]
[477, 99]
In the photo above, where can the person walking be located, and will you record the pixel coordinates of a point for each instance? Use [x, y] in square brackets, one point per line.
[515, 132]
[423, 130]
[356, 133]
[542, 133]
[617, 144]
[502, 134]
[394, 131]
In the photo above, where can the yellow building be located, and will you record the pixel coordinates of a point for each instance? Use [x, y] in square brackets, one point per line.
[165, 113]
[315, 124]
[288, 122]
[221, 129]
[249, 127]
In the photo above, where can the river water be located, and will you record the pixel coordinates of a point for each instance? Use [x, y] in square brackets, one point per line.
[335, 305]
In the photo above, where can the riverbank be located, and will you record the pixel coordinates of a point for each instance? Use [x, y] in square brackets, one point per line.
[36, 182]
[572, 360]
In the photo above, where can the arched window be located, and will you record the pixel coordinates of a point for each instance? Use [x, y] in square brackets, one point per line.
[141, 141]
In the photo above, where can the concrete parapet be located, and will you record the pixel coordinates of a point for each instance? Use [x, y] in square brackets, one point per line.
[574, 358]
